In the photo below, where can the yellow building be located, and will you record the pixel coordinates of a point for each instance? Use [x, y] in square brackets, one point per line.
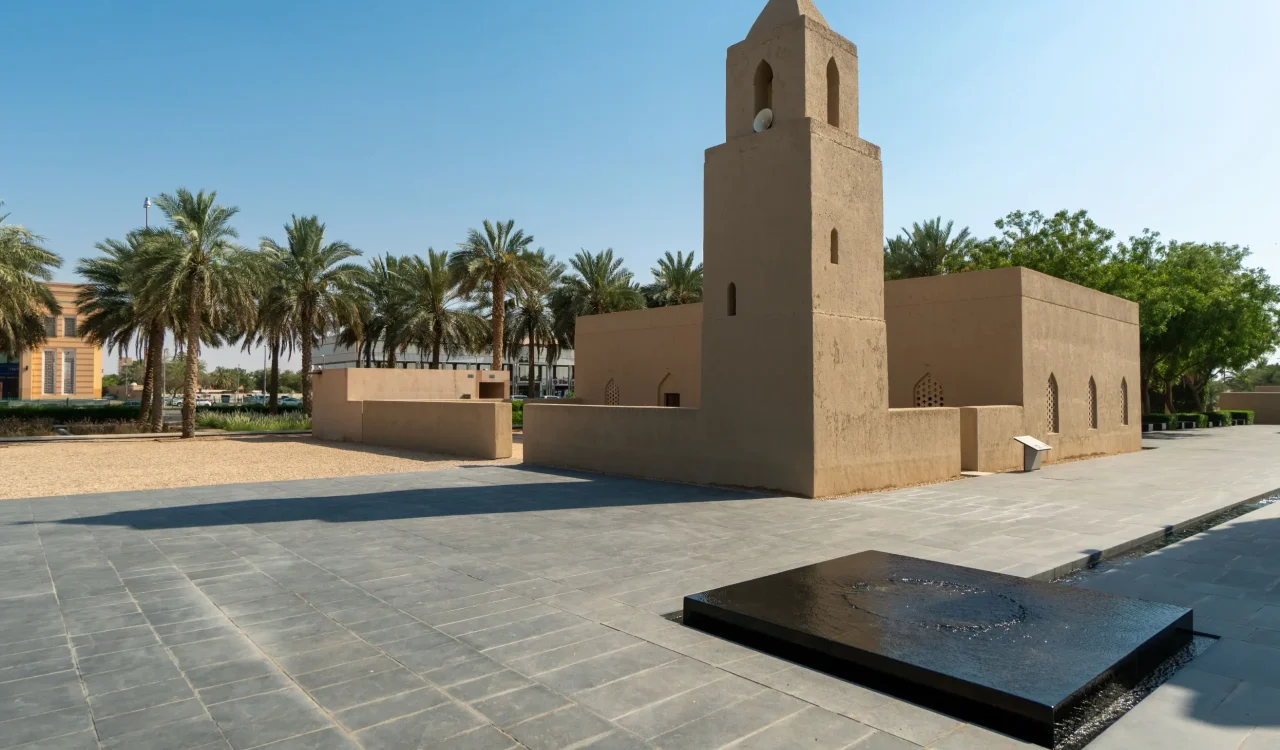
[64, 367]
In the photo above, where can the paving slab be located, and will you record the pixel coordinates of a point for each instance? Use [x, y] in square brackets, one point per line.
[508, 607]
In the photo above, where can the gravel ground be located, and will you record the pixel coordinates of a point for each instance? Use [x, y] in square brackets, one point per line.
[77, 468]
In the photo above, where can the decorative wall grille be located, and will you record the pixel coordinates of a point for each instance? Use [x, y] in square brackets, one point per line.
[50, 366]
[69, 371]
[1124, 402]
[928, 392]
[611, 393]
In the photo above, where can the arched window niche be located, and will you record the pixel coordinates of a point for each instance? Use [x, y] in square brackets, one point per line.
[833, 93]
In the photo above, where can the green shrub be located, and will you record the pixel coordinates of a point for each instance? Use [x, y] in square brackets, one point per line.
[244, 421]
[1199, 420]
[61, 413]
[517, 414]
[1233, 414]
[1218, 419]
[1163, 419]
[246, 408]
[43, 426]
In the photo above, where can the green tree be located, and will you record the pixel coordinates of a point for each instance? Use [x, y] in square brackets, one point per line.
[175, 375]
[492, 261]
[197, 266]
[600, 284]
[316, 284]
[1069, 246]
[115, 319]
[384, 291]
[676, 281]
[927, 250]
[531, 323]
[436, 319]
[291, 381]
[24, 299]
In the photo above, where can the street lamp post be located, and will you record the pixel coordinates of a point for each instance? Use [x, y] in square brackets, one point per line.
[146, 212]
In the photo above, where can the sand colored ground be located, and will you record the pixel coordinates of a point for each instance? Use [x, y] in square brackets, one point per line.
[76, 468]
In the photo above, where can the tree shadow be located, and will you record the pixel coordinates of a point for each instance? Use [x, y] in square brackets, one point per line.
[1229, 575]
[515, 489]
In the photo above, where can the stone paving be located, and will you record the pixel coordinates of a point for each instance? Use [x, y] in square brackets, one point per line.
[509, 607]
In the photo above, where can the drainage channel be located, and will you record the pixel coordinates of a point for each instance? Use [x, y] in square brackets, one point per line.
[1171, 537]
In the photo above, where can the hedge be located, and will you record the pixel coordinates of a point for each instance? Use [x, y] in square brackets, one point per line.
[1218, 419]
[1233, 414]
[61, 413]
[1164, 419]
[247, 408]
[1197, 419]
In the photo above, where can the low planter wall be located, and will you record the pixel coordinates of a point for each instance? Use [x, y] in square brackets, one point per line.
[475, 429]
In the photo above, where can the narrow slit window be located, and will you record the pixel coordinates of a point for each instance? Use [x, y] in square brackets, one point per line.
[833, 93]
[764, 87]
[733, 300]
[1051, 404]
[835, 247]
[1093, 404]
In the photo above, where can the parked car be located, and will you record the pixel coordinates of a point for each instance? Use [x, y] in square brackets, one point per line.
[204, 401]
[290, 401]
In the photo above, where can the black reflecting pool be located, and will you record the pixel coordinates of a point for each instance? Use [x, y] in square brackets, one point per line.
[1015, 655]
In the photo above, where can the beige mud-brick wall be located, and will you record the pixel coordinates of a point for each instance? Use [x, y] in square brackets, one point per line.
[645, 353]
[963, 331]
[1077, 333]
[366, 384]
[333, 415]
[646, 441]
[1265, 405]
[475, 429]
[986, 438]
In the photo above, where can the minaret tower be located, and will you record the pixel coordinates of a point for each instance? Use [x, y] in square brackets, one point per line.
[793, 332]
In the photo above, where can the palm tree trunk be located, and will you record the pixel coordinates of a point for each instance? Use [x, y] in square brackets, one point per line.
[499, 317]
[435, 351]
[273, 400]
[155, 353]
[533, 347]
[391, 354]
[358, 350]
[148, 384]
[308, 320]
[191, 381]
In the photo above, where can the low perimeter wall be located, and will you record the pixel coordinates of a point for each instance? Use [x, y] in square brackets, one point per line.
[1265, 405]
[986, 438]
[647, 441]
[479, 429]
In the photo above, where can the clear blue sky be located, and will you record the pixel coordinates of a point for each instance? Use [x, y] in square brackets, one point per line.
[401, 124]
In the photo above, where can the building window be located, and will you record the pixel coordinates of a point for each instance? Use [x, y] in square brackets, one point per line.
[671, 399]
[69, 326]
[764, 87]
[1124, 402]
[1051, 404]
[611, 396]
[833, 93]
[68, 371]
[733, 299]
[49, 365]
[50, 326]
[1093, 404]
[835, 246]
[928, 393]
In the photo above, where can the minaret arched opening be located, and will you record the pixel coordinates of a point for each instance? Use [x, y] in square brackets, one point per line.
[833, 93]
[764, 87]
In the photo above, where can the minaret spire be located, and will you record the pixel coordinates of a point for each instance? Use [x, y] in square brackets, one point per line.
[779, 12]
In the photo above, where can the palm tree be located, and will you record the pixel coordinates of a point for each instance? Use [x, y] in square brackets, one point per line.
[315, 284]
[383, 289]
[531, 320]
[601, 285]
[24, 299]
[496, 258]
[435, 320]
[927, 250]
[197, 266]
[112, 317]
[676, 281]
